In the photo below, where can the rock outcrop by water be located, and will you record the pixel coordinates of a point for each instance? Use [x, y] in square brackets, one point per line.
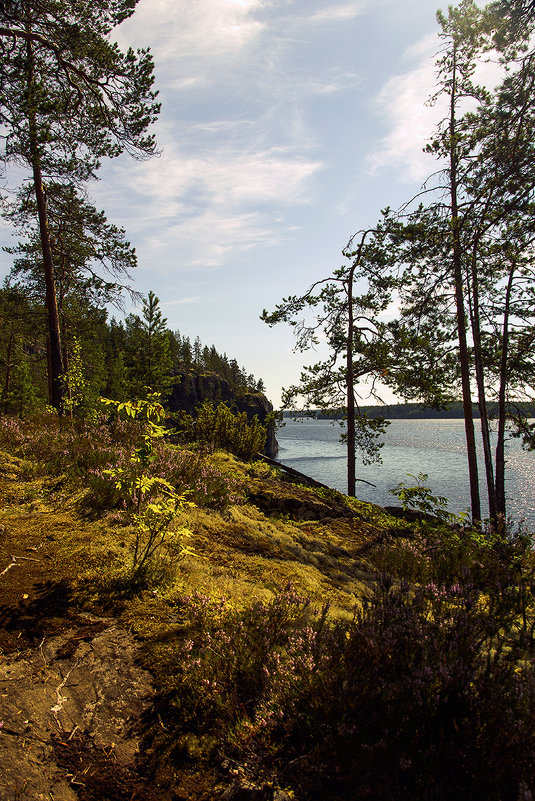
[192, 389]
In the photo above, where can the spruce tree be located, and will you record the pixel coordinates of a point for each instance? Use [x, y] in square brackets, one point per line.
[22, 351]
[148, 357]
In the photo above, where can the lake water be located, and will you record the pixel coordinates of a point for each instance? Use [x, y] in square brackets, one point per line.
[435, 447]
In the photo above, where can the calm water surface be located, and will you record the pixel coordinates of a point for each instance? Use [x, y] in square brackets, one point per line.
[435, 447]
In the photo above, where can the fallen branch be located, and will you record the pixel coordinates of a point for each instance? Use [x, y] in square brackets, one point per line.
[27, 558]
[13, 564]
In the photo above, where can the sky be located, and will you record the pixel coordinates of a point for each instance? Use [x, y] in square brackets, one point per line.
[286, 126]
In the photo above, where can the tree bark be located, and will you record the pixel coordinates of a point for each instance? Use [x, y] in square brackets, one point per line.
[481, 393]
[460, 311]
[350, 376]
[350, 390]
[55, 363]
[500, 444]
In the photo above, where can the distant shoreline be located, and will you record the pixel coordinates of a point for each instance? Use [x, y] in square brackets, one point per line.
[409, 411]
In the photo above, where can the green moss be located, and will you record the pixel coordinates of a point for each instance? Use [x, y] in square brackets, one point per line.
[328, 547]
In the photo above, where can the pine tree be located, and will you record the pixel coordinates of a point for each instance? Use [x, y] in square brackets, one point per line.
[69, 97]
[358, 343]
[473, 242]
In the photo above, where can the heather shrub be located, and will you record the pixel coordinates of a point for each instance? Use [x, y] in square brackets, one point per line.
[68, 444]
[190, 473]
[442, 553]
[228, 657]
[86, 449]
[204, 483]
[11, 432]
[427, 693]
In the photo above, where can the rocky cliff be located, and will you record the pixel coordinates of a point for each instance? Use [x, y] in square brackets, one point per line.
[191, 389]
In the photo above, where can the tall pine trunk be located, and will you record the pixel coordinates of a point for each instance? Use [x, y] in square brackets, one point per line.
[475, 321]
[350, 377]
[460, 310]
[350, 390]
[500, 444]
[54, 338]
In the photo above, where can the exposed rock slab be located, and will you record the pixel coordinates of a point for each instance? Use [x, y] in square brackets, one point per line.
[85, 685]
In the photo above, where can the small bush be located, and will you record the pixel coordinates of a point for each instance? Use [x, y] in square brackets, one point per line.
[151, 503]
[218, 427]
[420, 498]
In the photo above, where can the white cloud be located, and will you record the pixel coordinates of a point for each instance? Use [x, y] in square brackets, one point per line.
[203, 208]
[225, 178]
[237, 147]
[200, 244]
[210, 238]
[403, 102]
[189, 38]
[241, 89]
[339, 13]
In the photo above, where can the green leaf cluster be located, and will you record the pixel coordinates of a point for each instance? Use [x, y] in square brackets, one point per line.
[151, 502]
[419, 497]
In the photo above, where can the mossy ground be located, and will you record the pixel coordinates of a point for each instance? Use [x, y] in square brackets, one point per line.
[66, 572]
[61, 559]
